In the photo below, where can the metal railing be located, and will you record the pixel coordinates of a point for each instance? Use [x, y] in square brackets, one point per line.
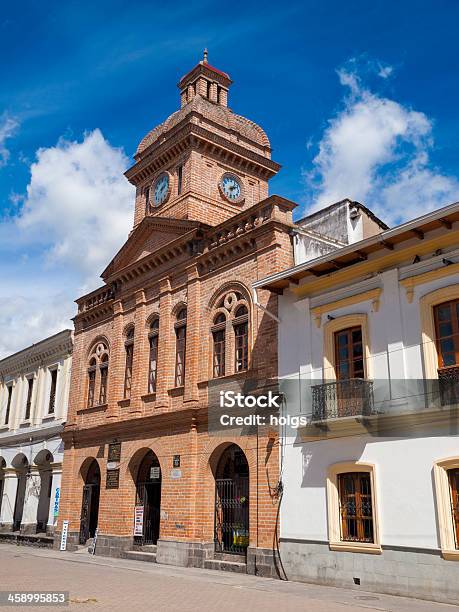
[448, 383]
[342, 398]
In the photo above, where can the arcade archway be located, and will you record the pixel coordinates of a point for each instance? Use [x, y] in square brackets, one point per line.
[231, 531]
[90, 501]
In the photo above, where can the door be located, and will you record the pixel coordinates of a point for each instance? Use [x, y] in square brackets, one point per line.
[232, 515]
[149, 496]
[85, 513]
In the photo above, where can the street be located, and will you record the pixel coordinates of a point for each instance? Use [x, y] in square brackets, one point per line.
[99, 583]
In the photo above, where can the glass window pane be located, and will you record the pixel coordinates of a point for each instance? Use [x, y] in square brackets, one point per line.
[445, 329]
[444, 313]
[357, 335]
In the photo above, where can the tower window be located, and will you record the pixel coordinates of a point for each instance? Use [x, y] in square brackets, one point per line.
[209, 85]
[179, 179]
[219, 90]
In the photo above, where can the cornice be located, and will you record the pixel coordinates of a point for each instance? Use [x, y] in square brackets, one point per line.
[42, 352]
[184, 136]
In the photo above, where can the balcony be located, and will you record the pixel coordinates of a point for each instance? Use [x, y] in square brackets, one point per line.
[448, 383]
[342, 398]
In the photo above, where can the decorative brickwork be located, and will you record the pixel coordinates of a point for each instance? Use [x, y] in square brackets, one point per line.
[191, 252]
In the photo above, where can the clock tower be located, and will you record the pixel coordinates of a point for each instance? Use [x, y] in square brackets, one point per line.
[204, 162]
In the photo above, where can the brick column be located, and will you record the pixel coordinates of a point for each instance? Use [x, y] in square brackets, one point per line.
[140, 362]
[166, 346]
[193, 338]
[116, 363]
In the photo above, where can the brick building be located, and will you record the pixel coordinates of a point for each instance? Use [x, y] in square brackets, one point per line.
[176, 311]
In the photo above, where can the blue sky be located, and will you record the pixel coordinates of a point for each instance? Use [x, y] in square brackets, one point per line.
[359, 99]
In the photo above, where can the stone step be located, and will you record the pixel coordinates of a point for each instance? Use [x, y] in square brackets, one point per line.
[137, 555]
[226, 566]
[150, 548]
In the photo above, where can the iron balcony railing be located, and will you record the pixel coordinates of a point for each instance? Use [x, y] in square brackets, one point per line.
[342, 398]
[448, 383]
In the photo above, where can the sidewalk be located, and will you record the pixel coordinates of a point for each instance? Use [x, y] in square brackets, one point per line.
[99, 583]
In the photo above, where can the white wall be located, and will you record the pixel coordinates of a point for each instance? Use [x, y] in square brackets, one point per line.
[404, 484]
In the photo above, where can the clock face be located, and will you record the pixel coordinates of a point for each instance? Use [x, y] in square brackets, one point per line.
[231, 187]
[161, 189]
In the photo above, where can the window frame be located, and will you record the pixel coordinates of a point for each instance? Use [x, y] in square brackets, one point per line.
[53, 371]
[180, 327]
[9, 402]
[335, 533]
[427, 302]
[449, 538]
[240, 321]
[29, 397]
[153, 336]
[129, 362]
[219, 327]
[329, 357]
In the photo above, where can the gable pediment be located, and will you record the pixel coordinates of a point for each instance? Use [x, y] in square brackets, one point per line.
[149, 236]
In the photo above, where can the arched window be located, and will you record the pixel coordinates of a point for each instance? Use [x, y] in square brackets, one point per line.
[219, 345]
[92, 382]
[153, 338]
[103, 379]
[241, 335]
[98, 373]
[129, 348]
[180, 347]
[229, 333]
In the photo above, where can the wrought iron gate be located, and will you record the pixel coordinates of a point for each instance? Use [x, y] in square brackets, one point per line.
[232, 515]
[149, 496]
[89, 512]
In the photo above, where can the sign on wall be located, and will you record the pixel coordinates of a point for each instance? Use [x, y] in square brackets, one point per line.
[114, 451]
[138, 520]
[155, 472]
[113, 479]
[176, 461]
[57, 497]
[64, 534]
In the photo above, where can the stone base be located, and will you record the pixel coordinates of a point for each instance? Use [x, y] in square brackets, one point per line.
[183, 554]
[28, 528]
[264, 562]
[409, 572]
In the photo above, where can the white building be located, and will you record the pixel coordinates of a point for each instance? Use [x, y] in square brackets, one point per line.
[369, 352]
[34, 390]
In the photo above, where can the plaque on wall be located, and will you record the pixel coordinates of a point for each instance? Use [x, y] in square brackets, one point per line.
[155, 472]
[114, 451]
[176, 461]
[113, 479]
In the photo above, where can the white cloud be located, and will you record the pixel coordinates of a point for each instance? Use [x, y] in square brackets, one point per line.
[8, 127]
[78, 204]
[376, 150]
[76, 213]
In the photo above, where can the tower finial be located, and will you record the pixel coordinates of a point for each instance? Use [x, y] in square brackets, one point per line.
[205, 56]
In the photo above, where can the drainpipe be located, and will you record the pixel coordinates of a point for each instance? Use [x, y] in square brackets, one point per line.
[261, 307]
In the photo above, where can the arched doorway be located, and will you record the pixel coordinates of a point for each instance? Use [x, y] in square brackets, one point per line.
[232, 502]
[21, 465]
[43, 460]
[148, 499]
[90, 503]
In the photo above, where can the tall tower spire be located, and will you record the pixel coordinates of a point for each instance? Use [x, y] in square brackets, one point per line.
[204, 60]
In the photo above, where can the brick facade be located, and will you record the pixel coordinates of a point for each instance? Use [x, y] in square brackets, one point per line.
[193, 250]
